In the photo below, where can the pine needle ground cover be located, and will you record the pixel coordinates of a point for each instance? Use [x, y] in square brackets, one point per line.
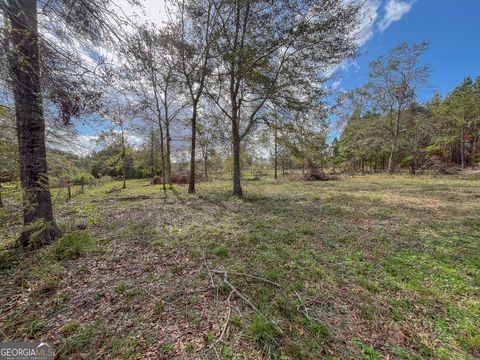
[369, 267]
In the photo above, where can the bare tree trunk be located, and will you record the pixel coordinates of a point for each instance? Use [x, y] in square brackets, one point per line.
[162, 156]
[392, 159]
[160, 127]
[25, 64]
[124, 171]
[275, 153]
[191, 180]
[205, 165]
[69, 191]
[1, 201]
[237, 185]
[168, 161]
[124, 174]
[152, 156]
[462, 148]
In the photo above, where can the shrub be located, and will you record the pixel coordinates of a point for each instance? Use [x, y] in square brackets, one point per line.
[74, 245]
[83, 178]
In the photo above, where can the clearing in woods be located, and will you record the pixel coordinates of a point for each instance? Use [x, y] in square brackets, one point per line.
[368, 267]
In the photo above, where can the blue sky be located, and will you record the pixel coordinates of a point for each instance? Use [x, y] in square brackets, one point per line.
[452, 27]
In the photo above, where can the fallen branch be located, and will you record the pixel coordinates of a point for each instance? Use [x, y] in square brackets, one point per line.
[249, 276]
[243, 297]
[208, 269]
[225, 325]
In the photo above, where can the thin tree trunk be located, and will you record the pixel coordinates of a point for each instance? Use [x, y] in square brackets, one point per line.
[160, 127]
[168, 161]
[124, 174]
[275, 154]
[392, 161]
[237, 185]
[462, 148]
[191, 180]
[69, 191]
[30, 122]
[236, 177]
[124, 171]
[162, 156]
[152, 151]
[1, 201]
[205, 165]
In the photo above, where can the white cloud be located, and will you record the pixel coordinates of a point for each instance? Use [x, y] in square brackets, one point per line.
[365, 29]
[394, 10]
[151, 11]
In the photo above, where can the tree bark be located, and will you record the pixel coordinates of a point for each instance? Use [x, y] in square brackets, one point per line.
[237, 185]
[392, 160]
[168, 161]
[205, 165]
[160, 127]
[275, 176]
[124, 174]
[152, 153]
[30, 124]
[191, 180]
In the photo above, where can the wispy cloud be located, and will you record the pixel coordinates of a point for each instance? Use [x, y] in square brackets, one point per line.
[394, 11]
[366, 28]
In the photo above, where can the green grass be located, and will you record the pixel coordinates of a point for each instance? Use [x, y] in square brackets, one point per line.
[367, 266]
[74, 245]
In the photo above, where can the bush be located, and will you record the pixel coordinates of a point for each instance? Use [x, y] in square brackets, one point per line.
[73, 245]
[83, 178]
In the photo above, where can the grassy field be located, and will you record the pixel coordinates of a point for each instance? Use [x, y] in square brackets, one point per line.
[371, 267]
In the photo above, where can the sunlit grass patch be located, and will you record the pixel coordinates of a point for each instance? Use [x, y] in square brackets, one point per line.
[386, 265]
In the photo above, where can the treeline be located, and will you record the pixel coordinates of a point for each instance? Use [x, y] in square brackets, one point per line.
[386, 128]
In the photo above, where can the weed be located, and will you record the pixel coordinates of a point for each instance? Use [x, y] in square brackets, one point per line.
[262, 331]
[70, 327]
[220, 251]
[166, 348]
[73, 245]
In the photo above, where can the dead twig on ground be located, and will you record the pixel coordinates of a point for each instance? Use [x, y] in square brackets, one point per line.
[208, 269]
[249, 276]
[244, 297]
[225, 325]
